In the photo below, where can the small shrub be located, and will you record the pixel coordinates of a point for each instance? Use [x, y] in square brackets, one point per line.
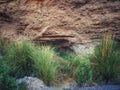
[84, 73]
[78, 68]
[72, 62]
[6, 81]
[25, 59]
[45, 64]
[105, 61]
[22, 86]
[18, 57]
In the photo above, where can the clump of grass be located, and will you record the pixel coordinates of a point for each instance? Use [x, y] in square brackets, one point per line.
[84, 73]
[79, 68]
[25, 59]
[45, 64]
[7, 82]
[18, 57]
[3, 46]
[106, 62]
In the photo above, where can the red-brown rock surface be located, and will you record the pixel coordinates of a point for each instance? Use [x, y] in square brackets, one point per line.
[67, 21]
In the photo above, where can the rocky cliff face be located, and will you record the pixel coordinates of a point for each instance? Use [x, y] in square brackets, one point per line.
[63, 22]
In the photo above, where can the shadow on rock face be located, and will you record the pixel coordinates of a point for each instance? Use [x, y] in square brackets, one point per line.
[5, 17]
[80, 3]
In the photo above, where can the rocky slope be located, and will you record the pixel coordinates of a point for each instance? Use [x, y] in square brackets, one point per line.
[63, 22]
[37, 84]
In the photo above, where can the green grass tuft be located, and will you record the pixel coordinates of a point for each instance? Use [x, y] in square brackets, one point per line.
[106, 61]
[45, 64]
[18, 57]
[79, 68]
[7, 82]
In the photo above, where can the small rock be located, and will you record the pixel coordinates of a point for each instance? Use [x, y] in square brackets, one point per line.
[33, 83]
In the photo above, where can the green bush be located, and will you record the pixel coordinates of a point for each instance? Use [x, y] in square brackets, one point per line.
[78, 68]
[84, 73]
[6, 81]
[45, 64]
[18, 57]
[22, 86]
[71, 64]
[24, 58]
[106, 61]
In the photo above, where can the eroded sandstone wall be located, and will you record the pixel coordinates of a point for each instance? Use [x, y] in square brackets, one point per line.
[73, 21]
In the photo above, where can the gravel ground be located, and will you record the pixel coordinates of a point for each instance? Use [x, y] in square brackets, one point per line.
[104, 87]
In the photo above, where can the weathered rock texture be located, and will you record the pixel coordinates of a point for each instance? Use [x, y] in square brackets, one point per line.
[33, 83]
[37, 84]
[65, 21]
